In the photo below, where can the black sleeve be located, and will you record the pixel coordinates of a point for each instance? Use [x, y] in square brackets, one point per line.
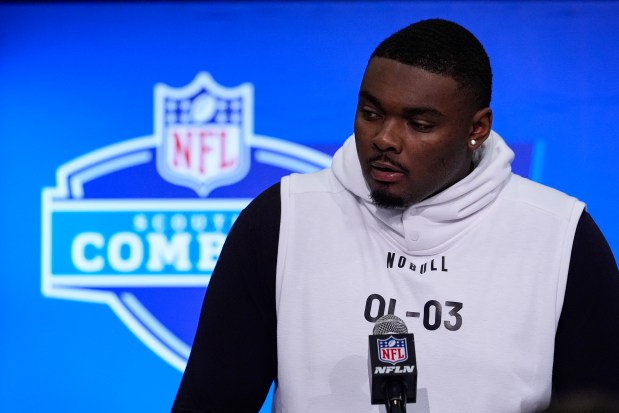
[587, 339]
[233, 359]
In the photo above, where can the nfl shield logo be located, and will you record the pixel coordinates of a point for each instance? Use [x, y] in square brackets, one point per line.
[203, 131]
[392, 350]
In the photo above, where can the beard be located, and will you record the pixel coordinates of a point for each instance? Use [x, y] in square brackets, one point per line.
[384, 199]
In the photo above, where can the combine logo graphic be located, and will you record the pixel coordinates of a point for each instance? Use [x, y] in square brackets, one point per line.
[139, 225]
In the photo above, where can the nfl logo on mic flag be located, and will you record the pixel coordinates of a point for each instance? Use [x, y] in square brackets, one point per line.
[392, 350]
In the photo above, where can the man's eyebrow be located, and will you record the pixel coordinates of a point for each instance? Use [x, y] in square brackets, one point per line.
[371, 98]
[423, 110]
[407, 111]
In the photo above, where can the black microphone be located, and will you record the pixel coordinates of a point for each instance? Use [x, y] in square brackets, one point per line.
[392, 364]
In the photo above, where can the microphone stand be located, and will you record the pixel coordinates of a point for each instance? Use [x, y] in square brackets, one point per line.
[395, 397]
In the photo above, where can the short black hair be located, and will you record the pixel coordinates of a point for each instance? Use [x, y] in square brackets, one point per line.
[445, 48]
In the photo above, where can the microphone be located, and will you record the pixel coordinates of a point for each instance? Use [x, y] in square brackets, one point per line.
[392, 364]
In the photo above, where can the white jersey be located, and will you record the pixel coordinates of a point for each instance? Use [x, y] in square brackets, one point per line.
[477, 272]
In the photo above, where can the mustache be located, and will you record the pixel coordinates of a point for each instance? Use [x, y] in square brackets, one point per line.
[385, 158]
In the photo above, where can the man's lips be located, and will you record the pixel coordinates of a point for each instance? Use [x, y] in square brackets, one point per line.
[383, 171]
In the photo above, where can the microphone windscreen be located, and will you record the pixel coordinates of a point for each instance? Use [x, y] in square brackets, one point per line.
[389, 324]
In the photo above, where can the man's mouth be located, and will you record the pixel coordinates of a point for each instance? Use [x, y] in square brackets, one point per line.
[384, 171]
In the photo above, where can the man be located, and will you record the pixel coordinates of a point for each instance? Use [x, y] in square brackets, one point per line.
[509, 287]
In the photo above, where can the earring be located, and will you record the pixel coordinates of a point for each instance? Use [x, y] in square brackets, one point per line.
[473, 142]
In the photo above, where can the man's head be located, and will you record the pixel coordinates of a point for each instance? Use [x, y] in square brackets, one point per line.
[445, 48]
[422, 111]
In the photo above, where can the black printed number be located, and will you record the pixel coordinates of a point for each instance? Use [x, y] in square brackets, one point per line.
[375, 307]
[454, 313]
[376, 304]
[432, 315]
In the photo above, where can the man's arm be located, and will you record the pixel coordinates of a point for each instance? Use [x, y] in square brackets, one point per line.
[233, 359]
[587, 340]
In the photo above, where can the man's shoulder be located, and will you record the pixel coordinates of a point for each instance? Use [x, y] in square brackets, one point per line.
[527, 193]
[269, 201]
[268, 198]
[323, 181]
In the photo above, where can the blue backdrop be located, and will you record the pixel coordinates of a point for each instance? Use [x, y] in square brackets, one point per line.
[76, 78]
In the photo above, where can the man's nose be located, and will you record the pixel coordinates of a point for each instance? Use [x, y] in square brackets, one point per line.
[389, 137]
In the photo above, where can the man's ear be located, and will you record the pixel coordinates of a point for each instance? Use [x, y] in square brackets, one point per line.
[480, 128]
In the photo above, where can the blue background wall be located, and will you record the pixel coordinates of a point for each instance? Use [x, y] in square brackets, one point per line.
[77, 77]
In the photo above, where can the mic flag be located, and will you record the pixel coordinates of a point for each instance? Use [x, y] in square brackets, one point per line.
[392, 363]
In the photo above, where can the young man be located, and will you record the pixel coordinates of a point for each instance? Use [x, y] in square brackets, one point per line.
[509, 287]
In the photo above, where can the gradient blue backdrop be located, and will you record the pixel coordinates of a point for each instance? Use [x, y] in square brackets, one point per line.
[77, 77]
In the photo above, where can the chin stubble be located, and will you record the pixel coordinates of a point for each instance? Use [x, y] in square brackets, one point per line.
[384, 199]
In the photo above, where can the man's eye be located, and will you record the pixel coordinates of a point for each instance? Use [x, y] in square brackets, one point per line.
[369, 114]
[421, 127]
